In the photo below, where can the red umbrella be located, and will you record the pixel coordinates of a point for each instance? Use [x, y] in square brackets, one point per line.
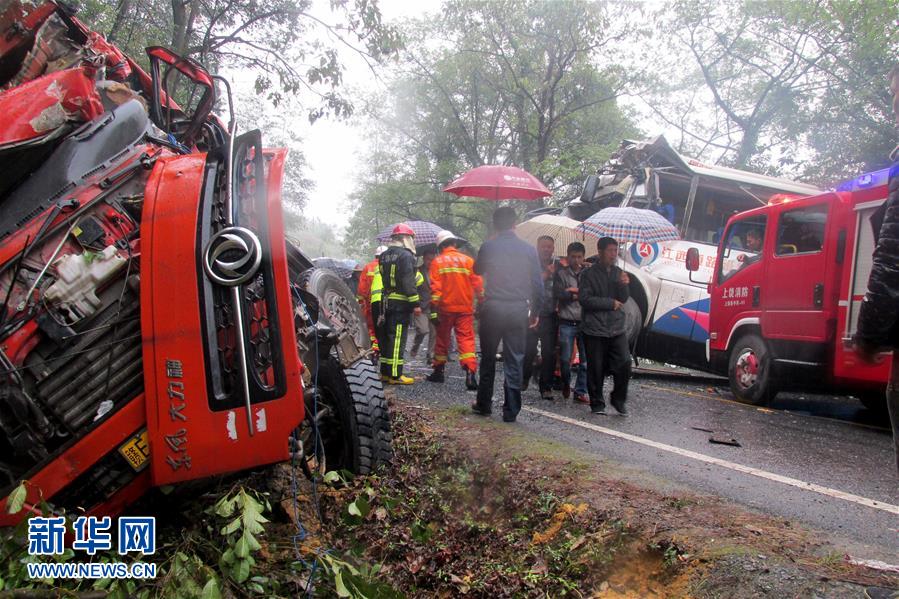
[497, 182]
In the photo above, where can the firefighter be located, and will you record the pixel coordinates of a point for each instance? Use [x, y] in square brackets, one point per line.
[399, 301]
[454, 286]
[376, 309]
[363, 295]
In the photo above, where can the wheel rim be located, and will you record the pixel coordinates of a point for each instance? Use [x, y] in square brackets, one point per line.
[747, 369]
[338, 310]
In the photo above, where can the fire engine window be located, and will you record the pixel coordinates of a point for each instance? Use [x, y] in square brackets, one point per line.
[743, 243]
[801, 231]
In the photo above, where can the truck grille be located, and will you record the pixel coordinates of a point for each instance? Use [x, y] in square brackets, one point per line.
[257, 296]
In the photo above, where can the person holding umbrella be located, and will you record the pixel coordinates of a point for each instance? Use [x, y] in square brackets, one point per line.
[400, 301]
[513, 292]
[454, 287]
[602, 291]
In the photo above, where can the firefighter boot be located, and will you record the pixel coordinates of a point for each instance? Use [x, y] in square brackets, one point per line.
[400, 380]
[437, 376]
[471, 381]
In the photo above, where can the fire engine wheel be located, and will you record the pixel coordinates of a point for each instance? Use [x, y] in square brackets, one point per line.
[337, 302]
[353, 421]
[749, 371]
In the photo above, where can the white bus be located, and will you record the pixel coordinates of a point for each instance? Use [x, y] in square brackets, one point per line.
[670, 307]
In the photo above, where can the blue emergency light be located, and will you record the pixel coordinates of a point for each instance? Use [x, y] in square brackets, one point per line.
[866, 181]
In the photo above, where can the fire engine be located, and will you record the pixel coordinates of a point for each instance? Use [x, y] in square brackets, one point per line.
[155, 327]
[786, 290]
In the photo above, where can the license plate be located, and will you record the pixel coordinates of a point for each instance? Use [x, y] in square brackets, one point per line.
[136, 451]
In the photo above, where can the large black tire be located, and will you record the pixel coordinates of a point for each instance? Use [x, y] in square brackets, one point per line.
[356, 434]
[750, 370]
[336, 302]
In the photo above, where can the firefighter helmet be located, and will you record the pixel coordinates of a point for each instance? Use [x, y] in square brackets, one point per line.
[402, 229]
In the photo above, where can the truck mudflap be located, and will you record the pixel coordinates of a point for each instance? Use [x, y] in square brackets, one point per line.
[222, 377]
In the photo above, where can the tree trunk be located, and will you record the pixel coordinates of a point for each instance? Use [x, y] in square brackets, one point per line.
[120, 16]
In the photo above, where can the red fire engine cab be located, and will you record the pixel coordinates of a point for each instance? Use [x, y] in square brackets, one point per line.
[786, 291]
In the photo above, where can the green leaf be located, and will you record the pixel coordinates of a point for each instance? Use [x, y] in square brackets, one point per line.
[354, 510]
[225, 507]
[339, 587]
[231, 527]
[16, 500]
[242, 547]
[241, 570]
[331, 477]
[211, 590]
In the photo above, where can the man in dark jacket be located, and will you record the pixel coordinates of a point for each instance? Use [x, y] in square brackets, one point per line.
[400, 300]
[602, 291]
[513, 296]
[546, 332]
[878, 319]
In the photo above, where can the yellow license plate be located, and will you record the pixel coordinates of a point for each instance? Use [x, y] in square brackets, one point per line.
[136, 451]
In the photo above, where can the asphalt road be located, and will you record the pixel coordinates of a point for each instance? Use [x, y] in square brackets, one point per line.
[824, 461]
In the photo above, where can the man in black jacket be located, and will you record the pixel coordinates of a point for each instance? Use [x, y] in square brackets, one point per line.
[602, 291]
[400, 300]
[878, 319]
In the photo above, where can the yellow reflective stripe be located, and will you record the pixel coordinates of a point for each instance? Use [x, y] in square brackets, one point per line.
[393, 275]
[464, 271]
[370, 273]
[396, 351]
[433, 315]
[466, 356]
[419, 278]
[405, 298]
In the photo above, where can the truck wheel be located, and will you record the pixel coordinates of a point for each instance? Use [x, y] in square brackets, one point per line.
[749, 370]
[337, 302]
[353, 421]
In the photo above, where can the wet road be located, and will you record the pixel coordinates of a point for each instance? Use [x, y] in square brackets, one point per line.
[824, 461]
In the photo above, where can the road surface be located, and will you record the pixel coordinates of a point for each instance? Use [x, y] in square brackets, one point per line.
[824, 461]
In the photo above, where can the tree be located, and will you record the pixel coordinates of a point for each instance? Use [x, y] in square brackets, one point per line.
[285, 43]
[503, 82]
[777, 80]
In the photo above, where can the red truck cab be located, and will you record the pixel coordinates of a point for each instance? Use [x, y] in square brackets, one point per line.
[785, 294]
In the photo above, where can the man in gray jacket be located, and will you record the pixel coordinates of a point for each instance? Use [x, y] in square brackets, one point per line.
[602, 291]
[565, 288]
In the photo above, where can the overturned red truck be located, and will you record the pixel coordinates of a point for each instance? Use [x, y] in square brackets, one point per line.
[155, 327]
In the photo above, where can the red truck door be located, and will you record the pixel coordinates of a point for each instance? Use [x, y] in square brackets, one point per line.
[736, 289]
[798, 303]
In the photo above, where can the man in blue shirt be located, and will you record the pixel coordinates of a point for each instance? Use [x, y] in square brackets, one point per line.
[513, 292]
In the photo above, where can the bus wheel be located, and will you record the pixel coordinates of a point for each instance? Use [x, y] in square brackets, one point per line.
[749, 371]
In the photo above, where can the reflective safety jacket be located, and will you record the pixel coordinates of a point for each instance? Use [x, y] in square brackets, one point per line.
[454, 285]
[363, 291]
[377, 288]
[401, 278]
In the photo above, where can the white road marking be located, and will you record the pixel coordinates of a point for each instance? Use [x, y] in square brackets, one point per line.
[793, 482]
